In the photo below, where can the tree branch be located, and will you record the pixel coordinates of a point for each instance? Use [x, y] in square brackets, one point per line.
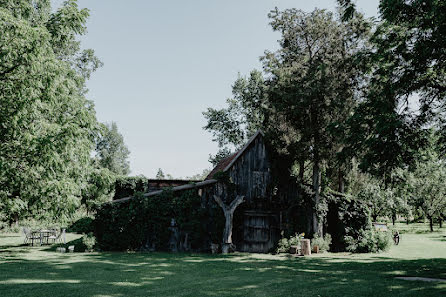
[219, 202]
[237, 201]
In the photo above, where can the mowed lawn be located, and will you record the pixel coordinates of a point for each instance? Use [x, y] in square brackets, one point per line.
[36, 271]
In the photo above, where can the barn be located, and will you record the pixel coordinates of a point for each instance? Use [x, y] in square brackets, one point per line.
[262, 214]
[260, 203]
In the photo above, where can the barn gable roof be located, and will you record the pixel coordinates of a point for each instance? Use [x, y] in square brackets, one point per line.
[225, 164]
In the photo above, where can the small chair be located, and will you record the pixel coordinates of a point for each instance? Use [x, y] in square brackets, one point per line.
[59, 237]
[29, 236]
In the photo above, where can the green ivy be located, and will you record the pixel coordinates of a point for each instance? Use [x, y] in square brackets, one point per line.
[143, 222]
[126, 186]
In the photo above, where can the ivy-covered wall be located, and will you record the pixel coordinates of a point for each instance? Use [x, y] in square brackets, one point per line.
[144, 222]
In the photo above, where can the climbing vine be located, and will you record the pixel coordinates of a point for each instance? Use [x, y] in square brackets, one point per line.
[143, 223]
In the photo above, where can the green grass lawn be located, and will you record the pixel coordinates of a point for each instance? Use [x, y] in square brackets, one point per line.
[36, 271]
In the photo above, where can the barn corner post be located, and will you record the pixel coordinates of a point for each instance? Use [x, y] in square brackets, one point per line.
[228, 211]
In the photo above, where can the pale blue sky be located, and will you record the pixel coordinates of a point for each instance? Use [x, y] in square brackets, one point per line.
[167, 61]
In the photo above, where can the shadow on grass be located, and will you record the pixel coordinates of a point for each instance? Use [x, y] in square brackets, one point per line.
[163, 274]
[9, 235]
[439, 238]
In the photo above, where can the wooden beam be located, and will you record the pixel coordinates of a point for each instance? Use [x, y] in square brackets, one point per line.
[174, 189]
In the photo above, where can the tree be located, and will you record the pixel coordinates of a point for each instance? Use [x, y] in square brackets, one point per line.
[112, 153]
[307, 90]
[313, 81]
[429, 188]
[99, 189]
[232, 126]
[406, 65]
[47, 126]
[222, 154]
[160, 174]
[412, 37]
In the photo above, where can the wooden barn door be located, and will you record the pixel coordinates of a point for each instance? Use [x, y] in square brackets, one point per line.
[260, 231]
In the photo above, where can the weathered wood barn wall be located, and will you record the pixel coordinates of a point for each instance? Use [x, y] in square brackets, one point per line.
[256, 223]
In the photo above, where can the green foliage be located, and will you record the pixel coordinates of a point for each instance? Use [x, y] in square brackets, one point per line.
[82, 226]
[412, 40]
[160, 174]
[427, 189]
[369, 241]
[232, 126]
[322, 242]
[285, 244]
[219, 156]
[112, 153]
[100, 188]
[89, 241]
[191, 217]
[307, 90]
[346, 217]
[127, 186]
[406, 93]
[47, 126]
[144, 222]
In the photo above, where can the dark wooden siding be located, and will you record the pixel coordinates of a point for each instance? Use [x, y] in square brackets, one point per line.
[251, 171]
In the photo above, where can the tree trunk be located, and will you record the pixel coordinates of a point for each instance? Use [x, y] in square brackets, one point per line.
[341, 183]
[317, 226]
[431, 223]
[301, 170]
[440, 222]
[228, 211]
[393, 219]
[15, 221]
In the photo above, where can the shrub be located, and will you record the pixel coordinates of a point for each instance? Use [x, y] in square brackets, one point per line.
[369, 241]
[89, 241]
[285, 244]
[346, 218]
[82, 226]
[322, 242]
[78, 244]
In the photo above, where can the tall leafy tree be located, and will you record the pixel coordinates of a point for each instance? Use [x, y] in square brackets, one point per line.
[308, 88]
[112, 153]
[408, 71]
[47, 126]
[232, 126]
[313, 81]
[429, 188]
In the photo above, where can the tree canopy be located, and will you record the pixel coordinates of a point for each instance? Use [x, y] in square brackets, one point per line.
[343, 90]
[112, 153]
[47, 126]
